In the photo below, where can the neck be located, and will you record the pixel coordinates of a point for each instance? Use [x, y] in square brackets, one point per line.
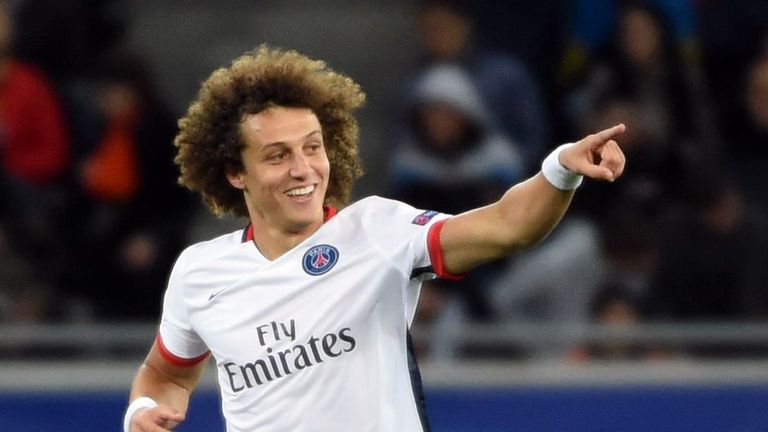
[273, 242]
[274, 239]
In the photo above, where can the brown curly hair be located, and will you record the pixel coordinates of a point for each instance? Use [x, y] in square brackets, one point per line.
[210, 142]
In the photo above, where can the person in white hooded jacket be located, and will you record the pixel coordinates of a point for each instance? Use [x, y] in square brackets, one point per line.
[452, 158]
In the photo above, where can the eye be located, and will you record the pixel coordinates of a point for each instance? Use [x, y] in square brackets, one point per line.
[314, 147]
[276, 156]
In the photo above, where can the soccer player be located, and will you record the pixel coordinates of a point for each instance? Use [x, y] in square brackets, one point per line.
[306, 310]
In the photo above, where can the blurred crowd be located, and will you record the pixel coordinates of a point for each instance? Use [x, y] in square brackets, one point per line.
[683, 236]
[91, 217]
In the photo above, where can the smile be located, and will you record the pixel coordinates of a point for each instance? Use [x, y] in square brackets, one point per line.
[306, 190]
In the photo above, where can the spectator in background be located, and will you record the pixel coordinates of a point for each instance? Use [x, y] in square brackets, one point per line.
[643, 65]
[452, 159]
[715, 252]
[552, 284]
[511, 94]
[713, 262]
[630, 243]
[748, 133]
[34, 155]
[559, 281]
[23, 297]
[655, 179]
[129, 217]
[66, 38]
[732, 35]
[616, 307]
[585, 40]
[643, 77]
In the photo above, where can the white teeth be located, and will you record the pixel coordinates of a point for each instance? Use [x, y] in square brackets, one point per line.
[301, 191]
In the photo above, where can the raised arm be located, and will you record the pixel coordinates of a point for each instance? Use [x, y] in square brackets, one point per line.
[169, 386]
[528, 211]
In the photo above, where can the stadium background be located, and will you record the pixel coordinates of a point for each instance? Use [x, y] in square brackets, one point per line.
[70, 375]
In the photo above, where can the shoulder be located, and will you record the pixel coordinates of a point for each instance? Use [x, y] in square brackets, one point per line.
[376, 206]
[397, 231]
[208, 250]
[386, 216]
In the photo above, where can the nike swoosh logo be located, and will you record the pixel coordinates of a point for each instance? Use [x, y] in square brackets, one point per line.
[215, 294]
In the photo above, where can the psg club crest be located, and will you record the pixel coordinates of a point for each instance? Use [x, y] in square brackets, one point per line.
[320, 259]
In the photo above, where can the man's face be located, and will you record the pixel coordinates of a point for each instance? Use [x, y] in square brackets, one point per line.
[640, 37]
[286, 169]
[444, 125]
[444, 32]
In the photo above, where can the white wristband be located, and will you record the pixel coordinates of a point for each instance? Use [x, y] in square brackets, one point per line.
[138, 404]
[559, 176]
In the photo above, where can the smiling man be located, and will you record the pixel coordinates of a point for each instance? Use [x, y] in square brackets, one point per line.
[284, 176]
[306, 310]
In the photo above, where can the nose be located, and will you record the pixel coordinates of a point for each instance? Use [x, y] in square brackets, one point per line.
[299, 166]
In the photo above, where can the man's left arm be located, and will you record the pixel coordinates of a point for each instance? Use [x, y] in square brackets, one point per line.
[529, 211]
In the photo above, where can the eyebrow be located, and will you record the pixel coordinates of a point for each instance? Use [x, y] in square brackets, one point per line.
[282, 143]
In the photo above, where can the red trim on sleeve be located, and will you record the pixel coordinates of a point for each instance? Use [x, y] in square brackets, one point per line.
[176, 360]
[436, 252]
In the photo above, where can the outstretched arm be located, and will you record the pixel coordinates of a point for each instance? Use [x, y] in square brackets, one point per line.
[529, 210]
[167, 385]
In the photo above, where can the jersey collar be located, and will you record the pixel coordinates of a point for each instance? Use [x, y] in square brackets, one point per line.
[328, 213]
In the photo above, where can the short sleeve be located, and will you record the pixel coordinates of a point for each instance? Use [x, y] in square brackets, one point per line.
[178, 342]
[435, 251]
[409, 236]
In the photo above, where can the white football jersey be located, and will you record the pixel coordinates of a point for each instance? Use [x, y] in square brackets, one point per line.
[316, 340]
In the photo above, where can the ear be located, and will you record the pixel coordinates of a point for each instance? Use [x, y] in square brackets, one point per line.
[236, 179]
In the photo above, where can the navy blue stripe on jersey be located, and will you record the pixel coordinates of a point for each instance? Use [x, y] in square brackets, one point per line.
[416, 385]
[421, 271]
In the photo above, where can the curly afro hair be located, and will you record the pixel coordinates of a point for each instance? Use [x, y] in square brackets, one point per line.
[210, 142]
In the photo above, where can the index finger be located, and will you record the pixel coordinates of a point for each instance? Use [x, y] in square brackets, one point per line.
[607, 134]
